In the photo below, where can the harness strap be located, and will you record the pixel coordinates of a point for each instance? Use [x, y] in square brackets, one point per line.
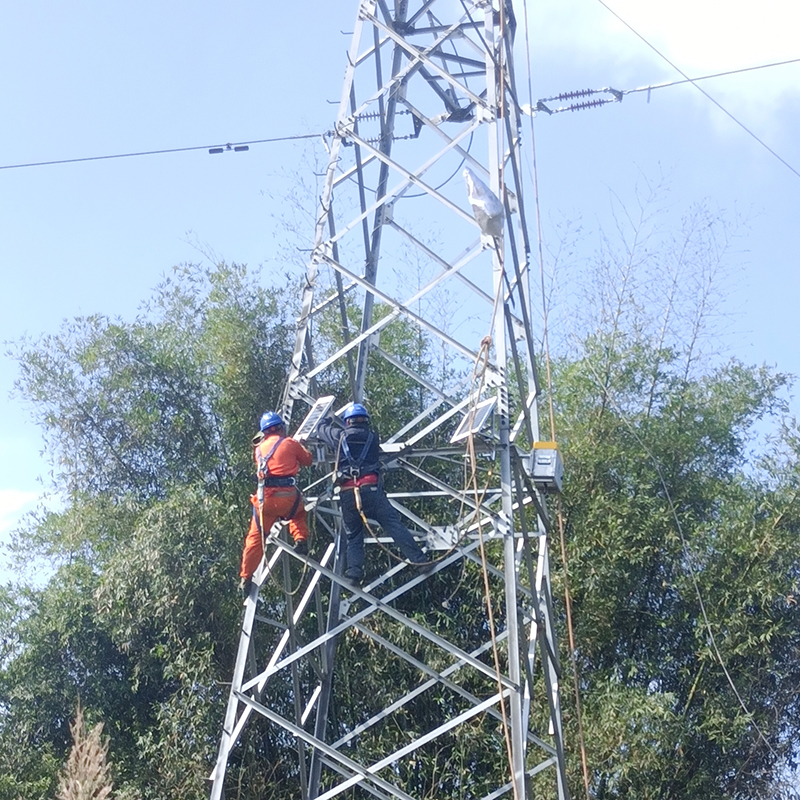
[356, 462]
[296, 505]
[263, 467]
[257, 518]
[263, 461]
[276, 481]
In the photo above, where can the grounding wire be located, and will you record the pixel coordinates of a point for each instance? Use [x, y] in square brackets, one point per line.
[700, 89]
[548, 371]
[651, 87]
[226, 146]
[708, 77]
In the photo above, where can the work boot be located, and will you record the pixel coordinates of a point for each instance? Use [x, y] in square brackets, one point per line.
[424, 567]
[245, 585]
[354, 575]
[301, 547]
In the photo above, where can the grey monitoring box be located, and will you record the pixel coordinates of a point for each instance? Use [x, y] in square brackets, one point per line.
[545, 467]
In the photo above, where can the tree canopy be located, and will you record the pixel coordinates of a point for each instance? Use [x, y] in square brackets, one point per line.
[682, 541]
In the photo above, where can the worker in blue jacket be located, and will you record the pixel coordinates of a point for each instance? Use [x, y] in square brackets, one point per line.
[358, 475]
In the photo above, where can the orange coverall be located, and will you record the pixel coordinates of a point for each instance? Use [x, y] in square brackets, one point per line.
[285, 461]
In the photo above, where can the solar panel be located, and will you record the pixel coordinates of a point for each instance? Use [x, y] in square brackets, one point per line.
[316, 414]
[474, 420]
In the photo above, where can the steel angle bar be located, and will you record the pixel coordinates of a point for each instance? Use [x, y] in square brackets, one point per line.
[424, 414]
[552, 670]
[313, 502]
[332, 512]
[424, 382]
[414, 626]
[452, 269]
[436, 127]
[230, 730]
[373, 790]
[498, 793]
[434, 29]
[396, 191]
[399, 308]
[353, 343]
[232, 727]
[281, 626]
[332, 298]
[373, 50]
[302, 734]
[412, 178]
[445, 416]
[458, 494]
[426, 6]
[460, 75]
[450, 103]
[463, 60]
[405, 512]
[529, 773]
[469, 254]
[378, 604]
[497, 573]
[351, 172]
[435, 678]
[419, 57]
[387, 14]
[305, 600]
[413, 495]
[453, 454]
[417, 743]
[312, 701]
[302, 333]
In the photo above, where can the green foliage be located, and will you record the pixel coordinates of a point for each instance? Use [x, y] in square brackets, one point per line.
[669, 520]
[683, 547]
[149, 426]
[172, 397]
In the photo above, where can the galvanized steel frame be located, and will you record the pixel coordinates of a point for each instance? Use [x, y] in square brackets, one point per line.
[457, 90]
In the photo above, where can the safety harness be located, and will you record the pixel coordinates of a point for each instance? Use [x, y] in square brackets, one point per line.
[270, 481]
[351, 475]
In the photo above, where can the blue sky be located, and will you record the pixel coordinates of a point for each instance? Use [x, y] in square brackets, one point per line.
[93, 78]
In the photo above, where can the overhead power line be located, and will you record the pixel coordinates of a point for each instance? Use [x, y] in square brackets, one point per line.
[616, 97]
[699, 88]
[715, 75]
[618, 94]
[212, 148]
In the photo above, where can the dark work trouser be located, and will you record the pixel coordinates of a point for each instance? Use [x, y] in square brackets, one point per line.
[376, 506]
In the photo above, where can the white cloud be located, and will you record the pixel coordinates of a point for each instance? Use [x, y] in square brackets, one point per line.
[701, 37]
[13, 503]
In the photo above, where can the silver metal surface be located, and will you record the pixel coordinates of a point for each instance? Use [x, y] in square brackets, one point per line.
[399, 262]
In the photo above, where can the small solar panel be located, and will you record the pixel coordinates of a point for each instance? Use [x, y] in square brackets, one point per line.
[316, 414]
[474, 419]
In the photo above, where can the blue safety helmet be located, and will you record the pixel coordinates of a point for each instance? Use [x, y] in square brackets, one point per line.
[269, 420]
[355, 410]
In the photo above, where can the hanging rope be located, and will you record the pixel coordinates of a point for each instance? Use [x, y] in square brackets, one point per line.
[479, 378]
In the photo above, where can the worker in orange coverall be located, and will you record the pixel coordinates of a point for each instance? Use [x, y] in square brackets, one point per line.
[278, 459]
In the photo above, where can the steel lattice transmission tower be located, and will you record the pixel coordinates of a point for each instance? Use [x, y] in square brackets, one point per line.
[418, 278]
